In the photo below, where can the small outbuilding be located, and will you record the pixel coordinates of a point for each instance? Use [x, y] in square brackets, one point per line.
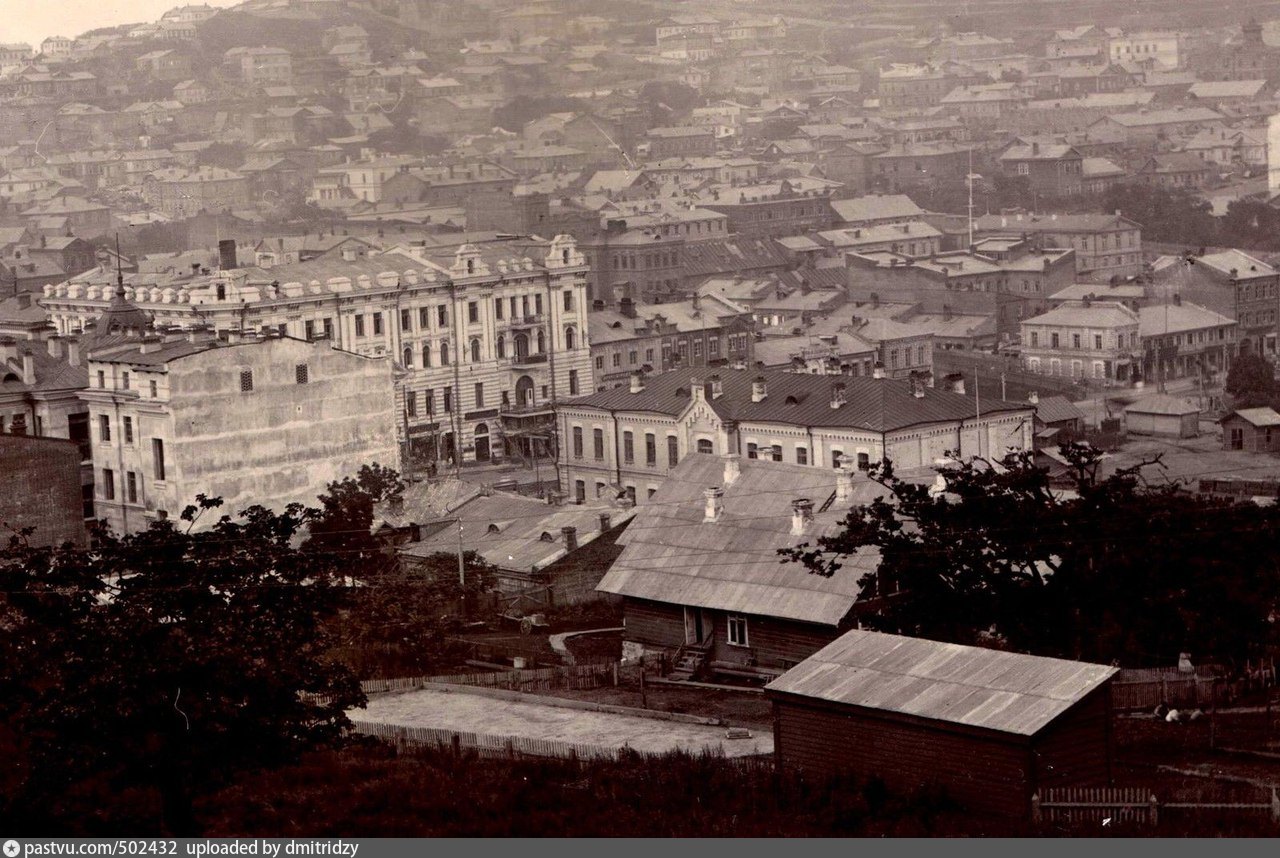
[1256, 430]
[992, 728]
[1163, 416]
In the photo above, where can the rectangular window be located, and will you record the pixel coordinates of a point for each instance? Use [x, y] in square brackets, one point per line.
[102, 378]
[327, 326]
[479, 394]
[442, 316]
[802, 455]
[580, 491]
[1035, 338]
[411, 403]
[448, 399]
[713, 347]
[753, 452]
[628, 447]
[573, 382]
[104, 428]
[406, 320]
[246, 380]
[632, 358]
[431, 402]
[424, 318]
[108, 484]
[309, 330]
[568, 300]
[1053, 340]
[359, 325]
[128, 430]
[473, 312]
[157, 458]
[597, 443]
[577, 442]
[650, 449]
[738, 630]
[377, 324]
[673, 451]
[776, 452]
[617, 359]
[497, 308]
[1075, 341]
[124, 381]
[648, 356]
[131, 487]
[697, 348]
[537, 304]
[1097, 341]
[599, 361]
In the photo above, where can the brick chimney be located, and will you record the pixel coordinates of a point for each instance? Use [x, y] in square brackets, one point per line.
[55, 347]
[697, 392]
[570, 538]
[732, 468]
[844, 479]
[838, 397]
[637, 382]
[606, 521]
[878, 371]
[717, 386]
[73, 352]
[759, 389]
[395, 504]
[28, 367]
[801, 515]
[714, 498]
[917, 386]
[1033, 398]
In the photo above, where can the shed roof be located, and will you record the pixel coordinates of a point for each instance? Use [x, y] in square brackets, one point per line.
[1162, 404]
[1260, 417]
[1002, 691]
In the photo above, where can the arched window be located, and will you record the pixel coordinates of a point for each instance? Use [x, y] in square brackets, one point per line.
[705, 446]
[444, 354]
[542, 342]
[426, 355]
[570, 339]
[408, 357]
[475, 349]
[502, 346]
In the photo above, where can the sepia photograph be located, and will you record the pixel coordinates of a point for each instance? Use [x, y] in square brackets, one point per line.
[685, 419]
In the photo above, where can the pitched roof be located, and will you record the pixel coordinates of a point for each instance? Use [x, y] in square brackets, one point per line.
[875, 404]
[1002, 691]
[1260, 417]
[876, 207]
[1162, 403]
[1100, 315]
[1055, 409]
[672, 555]
[1157, 320]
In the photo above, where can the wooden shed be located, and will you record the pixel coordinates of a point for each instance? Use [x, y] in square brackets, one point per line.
[1164, 416]
[992, 728]
[1256, 430]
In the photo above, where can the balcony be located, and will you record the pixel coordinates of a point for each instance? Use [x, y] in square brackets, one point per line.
[527, 409]
[533, 320]
[529, 360]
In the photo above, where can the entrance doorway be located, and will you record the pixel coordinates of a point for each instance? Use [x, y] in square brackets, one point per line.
[482, 442]
[696, 625]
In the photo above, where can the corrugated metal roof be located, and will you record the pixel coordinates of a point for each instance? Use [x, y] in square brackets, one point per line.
[989, 689]
[1162, 403]
[671, 555]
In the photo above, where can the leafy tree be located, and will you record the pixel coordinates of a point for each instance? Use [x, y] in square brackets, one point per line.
[343, 524]
[1251, 381]
[165, 661]
[1119, 570]
[1179, 216]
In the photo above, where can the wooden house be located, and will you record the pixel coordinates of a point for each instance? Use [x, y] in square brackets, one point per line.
[1254, 429]
[991, 728]
[701, 579]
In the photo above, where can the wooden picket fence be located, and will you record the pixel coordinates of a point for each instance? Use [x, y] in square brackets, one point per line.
[483, 745]
[572, 677]
[1135, 805]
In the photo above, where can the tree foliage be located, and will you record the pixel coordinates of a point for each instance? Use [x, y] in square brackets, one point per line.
[166, 661]
[1118, 570]
[1251, 381]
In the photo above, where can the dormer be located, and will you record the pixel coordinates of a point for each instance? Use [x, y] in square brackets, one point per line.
[563, 253]
[467, 262]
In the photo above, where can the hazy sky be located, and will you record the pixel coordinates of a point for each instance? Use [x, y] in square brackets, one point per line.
[33, 20]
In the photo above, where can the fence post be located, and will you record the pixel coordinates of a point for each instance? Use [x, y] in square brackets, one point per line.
[511, 749]
[1035, 808]
[1153, 811]
[456, 741]
[615, 674]
[1275, 805]
[1164, 691]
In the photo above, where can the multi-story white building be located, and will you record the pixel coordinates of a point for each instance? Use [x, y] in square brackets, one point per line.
[1084, 339]
[628, 439]
[488, 336]
[1158, 50]
[254, 420]
[260, 66]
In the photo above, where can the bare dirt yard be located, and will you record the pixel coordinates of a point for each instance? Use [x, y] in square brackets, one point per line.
[532, 717]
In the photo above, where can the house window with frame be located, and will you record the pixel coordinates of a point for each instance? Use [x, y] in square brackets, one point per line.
[377, 324]
[577, 442]
[753, 452]
[597, 443]
[673, 451]
[359, 325]
[738, 630]
[128, 429]
[108, 484]
[628, 447]
[802, 455]
[473, 312]
[104, 428]
[424, 318]
[131, 486]
[411, 404]
[650, 449]
[406, 321]
[573, 382]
